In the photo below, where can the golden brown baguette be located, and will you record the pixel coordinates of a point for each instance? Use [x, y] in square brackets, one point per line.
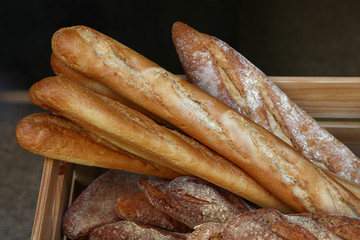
[134, 132]
[220, 70]
[270, 161]
[62, 69]
[56, 137]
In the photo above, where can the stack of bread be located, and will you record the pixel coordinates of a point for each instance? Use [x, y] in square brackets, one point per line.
[227, 124]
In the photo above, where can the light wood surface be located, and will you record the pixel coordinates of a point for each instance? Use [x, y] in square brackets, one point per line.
[53, 200]
[324, 97]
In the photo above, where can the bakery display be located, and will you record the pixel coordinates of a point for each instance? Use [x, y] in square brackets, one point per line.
[214, 156]
[189, 208]
[268, 160]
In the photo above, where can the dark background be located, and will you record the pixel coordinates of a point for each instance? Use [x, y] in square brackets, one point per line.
[308, 38]
[280, 37]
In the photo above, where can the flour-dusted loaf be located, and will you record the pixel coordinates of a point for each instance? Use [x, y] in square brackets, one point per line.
[271, 224]
[94, 207]
[274, 164]
[137, 208]
[128, 230]
[192, 201]
[220, 70]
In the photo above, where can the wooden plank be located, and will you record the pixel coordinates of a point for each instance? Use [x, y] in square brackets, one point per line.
[324, 97]
[42, 228]
[53, 199]
[61, 198]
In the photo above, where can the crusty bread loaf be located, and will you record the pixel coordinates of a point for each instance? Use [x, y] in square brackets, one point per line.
[192, 201]
[220, 70]
[270, 161]
[94, 207]
[58, 138]
[137, 208]
[131, 230]
[134, 132]
[270, 224]
[207, 231]
[212, 212]
[64, 70]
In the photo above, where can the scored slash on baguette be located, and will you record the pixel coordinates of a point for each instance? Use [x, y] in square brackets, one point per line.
[270, 161]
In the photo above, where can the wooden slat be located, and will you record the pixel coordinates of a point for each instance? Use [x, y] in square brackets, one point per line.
[53, 198]
[42, 227]
[61, 198]
[324, 97]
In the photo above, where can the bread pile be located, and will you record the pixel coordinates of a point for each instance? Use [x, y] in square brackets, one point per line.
[229, 124]
[187, 208]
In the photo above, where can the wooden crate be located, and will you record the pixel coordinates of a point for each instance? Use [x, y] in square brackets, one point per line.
[333, 101]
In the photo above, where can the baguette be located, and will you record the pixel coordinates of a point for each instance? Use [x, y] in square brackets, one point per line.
[192, 201]
[220, 70]
[58, 138]
[136, 208]
[270, 161]
[131, 230]
[134, 132]
[303, 226]
[61, 69]
[94, 207]
[270, 224]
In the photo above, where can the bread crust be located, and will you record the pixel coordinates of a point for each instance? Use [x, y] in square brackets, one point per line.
[134, 132]
[220, 70]
[61, 69]
[94, 207]
[270, 161]
[58, 138]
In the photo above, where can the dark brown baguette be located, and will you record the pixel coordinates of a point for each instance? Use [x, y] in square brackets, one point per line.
[56, 137]
[134, 132]
[270, 161]
[220, 70]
